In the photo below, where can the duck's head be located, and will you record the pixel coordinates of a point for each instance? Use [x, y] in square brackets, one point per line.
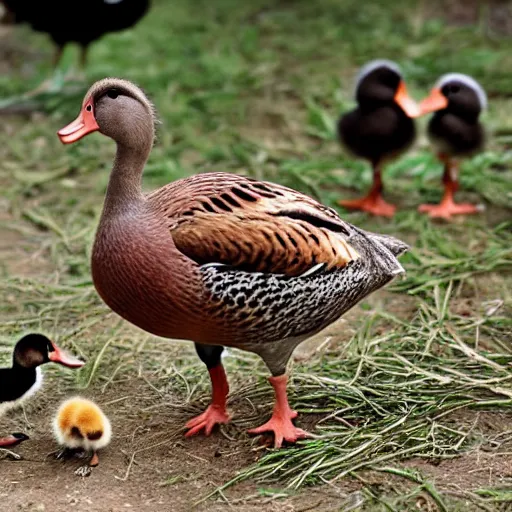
[459, 94]
[36, 349]
[118, 109]
[379, 83]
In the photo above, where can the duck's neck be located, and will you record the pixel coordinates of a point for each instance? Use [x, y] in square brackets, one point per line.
[124, 189]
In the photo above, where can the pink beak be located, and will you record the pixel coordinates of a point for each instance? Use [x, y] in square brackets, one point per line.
[84, 124]
[61, 357]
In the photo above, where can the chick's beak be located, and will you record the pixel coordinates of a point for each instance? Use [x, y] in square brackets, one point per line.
[436, 100]
[84, 124]
[61, 357]
[405, 102]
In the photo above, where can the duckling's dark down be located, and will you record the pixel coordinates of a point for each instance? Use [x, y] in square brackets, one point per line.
[24, 378]
[379, 129]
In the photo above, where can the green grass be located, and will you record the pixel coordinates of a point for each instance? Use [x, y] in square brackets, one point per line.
[256, 88]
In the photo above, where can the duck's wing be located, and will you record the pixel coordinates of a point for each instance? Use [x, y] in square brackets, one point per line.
[254, 226]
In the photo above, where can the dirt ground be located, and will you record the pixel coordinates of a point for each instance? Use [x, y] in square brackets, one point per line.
[150, 466]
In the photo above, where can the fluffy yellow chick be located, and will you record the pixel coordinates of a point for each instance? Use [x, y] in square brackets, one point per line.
[81, 424]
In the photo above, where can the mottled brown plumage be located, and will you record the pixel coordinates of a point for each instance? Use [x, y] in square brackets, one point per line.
[255, 229]
[221, 259]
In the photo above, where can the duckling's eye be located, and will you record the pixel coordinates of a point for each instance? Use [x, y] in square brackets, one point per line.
[75, 432]
[113, 93]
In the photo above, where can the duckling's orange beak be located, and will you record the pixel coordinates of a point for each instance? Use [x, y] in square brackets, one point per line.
[405, 102]
[57, 355]
[436, 100]
[85, 123]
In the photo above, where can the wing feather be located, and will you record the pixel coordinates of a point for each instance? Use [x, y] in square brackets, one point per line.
[253, 225]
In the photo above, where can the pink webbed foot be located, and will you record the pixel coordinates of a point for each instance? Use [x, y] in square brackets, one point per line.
[213, 415]
[283, 429]
[281, 421]
[216, 412]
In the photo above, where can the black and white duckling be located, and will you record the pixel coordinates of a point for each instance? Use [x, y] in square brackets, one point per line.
[24, 378]
[379, 129]
[455, 132]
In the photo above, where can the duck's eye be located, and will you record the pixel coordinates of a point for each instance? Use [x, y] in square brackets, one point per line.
[113, 94]
[88, 108]
[454, 89]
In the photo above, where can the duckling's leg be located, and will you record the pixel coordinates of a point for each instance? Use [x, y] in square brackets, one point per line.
[216, 412]
[373, 203]
[50, 84]
[78, 75]
[281, 421]
[448, 207]
[95, 460]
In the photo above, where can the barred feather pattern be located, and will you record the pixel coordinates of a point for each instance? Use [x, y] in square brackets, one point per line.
[269, 308]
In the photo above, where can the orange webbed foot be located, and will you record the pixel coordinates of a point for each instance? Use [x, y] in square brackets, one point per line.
[213, 415]
[376, 205]
[283, 429]
[447, 210]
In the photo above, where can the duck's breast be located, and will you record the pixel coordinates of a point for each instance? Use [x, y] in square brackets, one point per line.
[140, 275]
[16, 402]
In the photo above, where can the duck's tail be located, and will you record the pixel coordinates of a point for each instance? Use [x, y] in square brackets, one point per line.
[395, 246]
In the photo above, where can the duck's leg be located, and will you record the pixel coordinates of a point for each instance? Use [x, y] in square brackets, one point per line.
[373, 203]
[12, 440]
[216, 412]
[448, 207]
[281, 421]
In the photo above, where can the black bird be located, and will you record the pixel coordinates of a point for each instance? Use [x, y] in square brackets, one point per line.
[25, 377]
[78, 21]
[455, 132]
[379, 129]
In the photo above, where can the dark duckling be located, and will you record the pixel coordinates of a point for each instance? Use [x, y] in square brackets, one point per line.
[379, 129]
[455, 132]
[24, 378]
[82, 22]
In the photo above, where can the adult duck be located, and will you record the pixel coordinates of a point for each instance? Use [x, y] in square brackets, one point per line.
[455, 132]
[24, 378]
[221, 259]
[379, 129]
